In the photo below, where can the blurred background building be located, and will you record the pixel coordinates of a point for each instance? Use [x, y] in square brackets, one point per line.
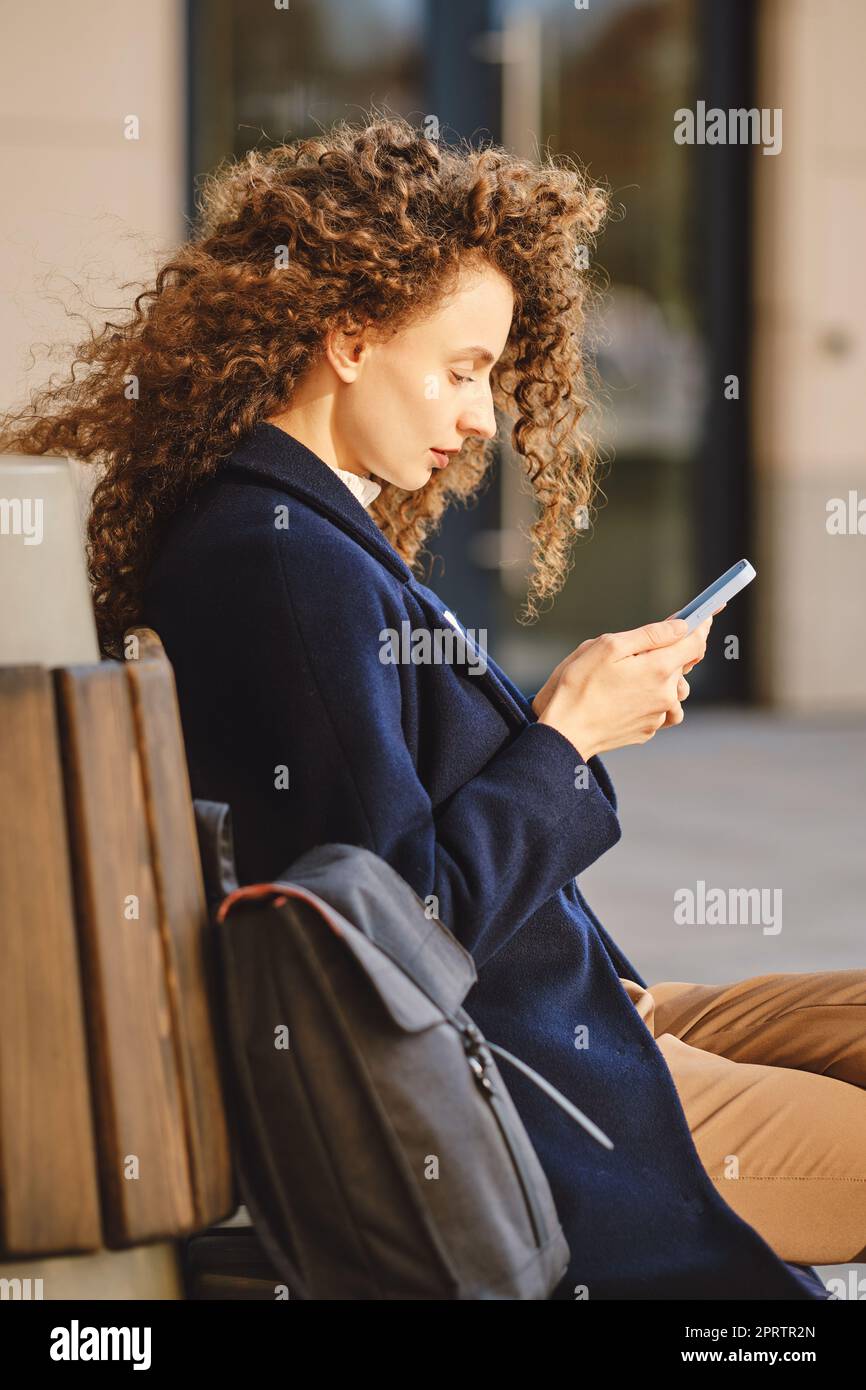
[722, 261]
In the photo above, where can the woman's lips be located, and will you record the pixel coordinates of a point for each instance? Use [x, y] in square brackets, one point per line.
[440, 458]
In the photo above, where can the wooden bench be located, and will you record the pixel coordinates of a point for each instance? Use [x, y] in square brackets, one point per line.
[113, 1133]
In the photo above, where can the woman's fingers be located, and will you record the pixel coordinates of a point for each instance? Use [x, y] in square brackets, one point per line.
[672, 716]
[675, 714]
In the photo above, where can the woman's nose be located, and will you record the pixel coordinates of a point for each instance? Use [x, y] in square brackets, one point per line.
[478, 418]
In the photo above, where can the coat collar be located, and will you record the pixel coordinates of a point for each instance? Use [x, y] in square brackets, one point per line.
[269, 452]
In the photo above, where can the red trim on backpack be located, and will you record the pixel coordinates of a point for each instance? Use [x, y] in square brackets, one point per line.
[284, 891]
[250, 890]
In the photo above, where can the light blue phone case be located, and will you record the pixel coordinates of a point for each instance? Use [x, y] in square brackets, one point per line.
[722, 589]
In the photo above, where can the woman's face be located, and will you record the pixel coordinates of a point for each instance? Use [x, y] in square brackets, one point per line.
[425, 387]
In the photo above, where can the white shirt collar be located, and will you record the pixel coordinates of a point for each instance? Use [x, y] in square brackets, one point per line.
[365, 489]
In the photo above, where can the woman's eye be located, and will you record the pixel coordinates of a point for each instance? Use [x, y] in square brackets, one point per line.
[461, 379]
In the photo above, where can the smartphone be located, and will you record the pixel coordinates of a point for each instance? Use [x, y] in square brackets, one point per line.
[722, 589]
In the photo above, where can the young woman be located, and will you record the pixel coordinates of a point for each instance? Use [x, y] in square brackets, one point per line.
[282, 423]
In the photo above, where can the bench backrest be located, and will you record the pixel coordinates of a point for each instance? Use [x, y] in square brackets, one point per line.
[112, 1123]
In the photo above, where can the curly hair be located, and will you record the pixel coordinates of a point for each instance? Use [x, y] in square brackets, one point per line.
[373, 223]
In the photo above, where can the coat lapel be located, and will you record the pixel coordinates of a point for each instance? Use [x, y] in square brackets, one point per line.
[512, 703]
[270, 453]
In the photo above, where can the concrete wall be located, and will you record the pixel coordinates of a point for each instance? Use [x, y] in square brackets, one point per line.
[84, 206]
[809, 380]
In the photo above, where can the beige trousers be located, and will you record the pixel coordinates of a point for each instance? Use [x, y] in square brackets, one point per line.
[771, 1075]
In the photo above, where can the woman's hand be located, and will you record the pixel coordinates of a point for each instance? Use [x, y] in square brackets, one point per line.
[622, 687]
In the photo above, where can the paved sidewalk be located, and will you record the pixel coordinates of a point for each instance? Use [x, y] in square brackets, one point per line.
[742, 799]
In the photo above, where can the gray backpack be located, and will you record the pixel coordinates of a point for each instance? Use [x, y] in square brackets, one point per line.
[376, 1147]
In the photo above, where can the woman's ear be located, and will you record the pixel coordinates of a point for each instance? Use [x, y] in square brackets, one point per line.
[346, 354]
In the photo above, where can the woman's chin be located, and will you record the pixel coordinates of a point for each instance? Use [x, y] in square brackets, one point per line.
[410, 481]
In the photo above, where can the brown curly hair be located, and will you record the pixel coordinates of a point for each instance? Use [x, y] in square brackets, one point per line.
[376, 220]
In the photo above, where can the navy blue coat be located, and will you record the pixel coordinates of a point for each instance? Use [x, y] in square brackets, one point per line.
[270, 590]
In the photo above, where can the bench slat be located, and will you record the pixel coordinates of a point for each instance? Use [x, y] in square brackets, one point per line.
[137, 1090]
[49, 1196]
[183, 921]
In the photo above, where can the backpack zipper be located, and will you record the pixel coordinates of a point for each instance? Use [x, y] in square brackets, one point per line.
[480, 1062]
